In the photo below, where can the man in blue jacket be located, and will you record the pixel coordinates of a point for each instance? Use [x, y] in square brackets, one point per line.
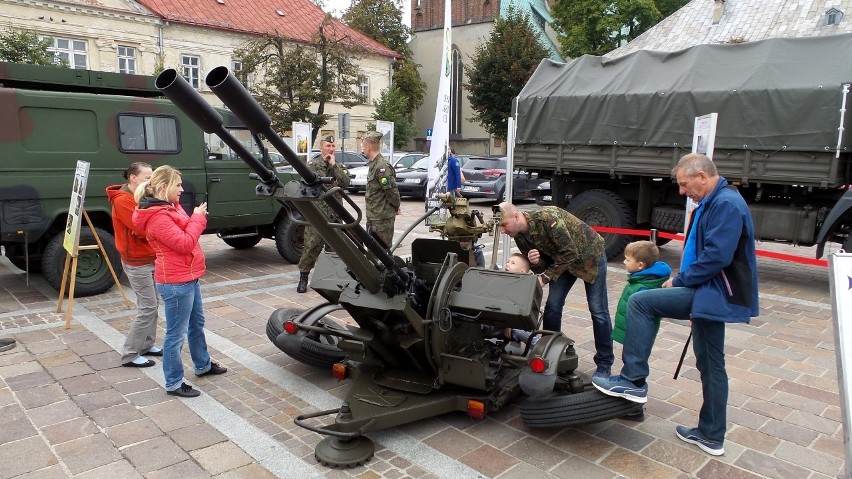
[717, 284]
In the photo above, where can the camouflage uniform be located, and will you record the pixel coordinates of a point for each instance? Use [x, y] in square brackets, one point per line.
[382, 198]
[571, 249]
[313, 241]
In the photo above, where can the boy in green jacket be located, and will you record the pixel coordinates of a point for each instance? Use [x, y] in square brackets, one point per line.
[645, 271]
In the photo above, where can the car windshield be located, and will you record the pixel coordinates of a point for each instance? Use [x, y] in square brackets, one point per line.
[486, 164]
[421, 164]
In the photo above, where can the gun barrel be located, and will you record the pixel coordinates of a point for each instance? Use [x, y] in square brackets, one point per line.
[234, 95]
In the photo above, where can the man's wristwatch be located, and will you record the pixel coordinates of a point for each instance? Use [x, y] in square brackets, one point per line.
[544, 278]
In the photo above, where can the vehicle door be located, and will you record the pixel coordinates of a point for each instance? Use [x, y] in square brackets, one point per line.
[231, 199]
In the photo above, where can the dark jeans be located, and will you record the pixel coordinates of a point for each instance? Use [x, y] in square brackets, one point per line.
[708, 344]
[596, 296]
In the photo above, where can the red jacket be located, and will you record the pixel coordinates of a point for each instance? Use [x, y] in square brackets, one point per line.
[174, 236]
[129, 241]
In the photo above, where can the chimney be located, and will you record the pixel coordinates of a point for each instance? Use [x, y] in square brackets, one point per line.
[718, 11]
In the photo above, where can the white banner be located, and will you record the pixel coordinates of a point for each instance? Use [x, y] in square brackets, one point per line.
[441, 127]
[840, 274]
[386, 149]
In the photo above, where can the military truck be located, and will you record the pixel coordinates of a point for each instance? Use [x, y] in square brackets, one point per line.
[52, 117]
[608, 132]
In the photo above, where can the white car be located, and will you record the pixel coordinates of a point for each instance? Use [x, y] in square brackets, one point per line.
[401, 161]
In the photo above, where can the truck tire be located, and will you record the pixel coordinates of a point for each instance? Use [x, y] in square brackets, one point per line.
[93, 276]
[668, 218]
[567, 410]
[313, 349]
[605, 208]
[290, 240]
[242, 242]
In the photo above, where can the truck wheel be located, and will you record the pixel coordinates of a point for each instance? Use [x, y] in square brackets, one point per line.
[290, 240]
[668, 218]
[574, 409]
[93, 276]
[242, 242]
[605, 208]
[313, 349]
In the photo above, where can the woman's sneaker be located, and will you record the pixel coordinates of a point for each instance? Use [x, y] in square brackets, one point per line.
[694, 436]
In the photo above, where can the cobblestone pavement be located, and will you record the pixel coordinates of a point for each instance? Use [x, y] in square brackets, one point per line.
[69, 410]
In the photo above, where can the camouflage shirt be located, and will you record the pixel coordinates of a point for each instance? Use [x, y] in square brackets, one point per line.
[382, 195]
[564, 242]
[338, 172]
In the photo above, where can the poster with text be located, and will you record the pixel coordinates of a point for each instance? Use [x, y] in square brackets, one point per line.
[302, 138]
[75, 209]
[386, 128]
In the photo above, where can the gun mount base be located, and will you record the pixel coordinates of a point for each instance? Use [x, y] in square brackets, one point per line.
[344, 453]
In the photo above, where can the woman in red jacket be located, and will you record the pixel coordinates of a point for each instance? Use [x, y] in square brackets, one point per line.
[180, 262]
[137, 259]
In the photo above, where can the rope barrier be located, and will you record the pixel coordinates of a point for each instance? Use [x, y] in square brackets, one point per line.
[680, 237]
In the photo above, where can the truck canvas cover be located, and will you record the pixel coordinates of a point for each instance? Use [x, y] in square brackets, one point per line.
[783, 93]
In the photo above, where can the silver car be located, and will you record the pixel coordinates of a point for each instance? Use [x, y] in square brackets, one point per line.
[401, 161]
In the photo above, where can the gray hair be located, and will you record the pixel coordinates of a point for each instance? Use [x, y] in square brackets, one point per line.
[692, 163]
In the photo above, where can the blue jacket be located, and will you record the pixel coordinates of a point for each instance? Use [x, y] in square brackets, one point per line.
[724, 273]
[453, 174]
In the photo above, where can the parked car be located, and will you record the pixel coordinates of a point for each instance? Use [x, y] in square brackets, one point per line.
[485, 177]
[412, 181]
[544, 197]
[401, 161]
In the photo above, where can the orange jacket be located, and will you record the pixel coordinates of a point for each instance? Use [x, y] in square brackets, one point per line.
[129, 241]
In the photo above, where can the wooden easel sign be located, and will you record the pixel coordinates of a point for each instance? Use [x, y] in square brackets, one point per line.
[76, 212]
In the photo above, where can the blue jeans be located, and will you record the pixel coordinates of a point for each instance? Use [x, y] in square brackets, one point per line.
[596, 296]
[184, 318]
[708, 344]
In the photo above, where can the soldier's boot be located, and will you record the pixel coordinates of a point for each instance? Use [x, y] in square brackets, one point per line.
[303, 282]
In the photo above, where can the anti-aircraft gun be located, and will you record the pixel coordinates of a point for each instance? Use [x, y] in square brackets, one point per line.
[421, 346]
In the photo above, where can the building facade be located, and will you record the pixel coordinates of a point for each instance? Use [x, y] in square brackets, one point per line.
[146, 36]
[472, 23]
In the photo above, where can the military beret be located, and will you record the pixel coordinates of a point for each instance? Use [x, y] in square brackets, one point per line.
[328, 138]
[374, 136]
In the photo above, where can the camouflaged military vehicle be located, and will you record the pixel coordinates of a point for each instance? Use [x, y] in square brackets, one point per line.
[52, 117]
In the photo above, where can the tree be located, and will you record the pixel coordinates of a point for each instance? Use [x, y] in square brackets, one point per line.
[667, 7]
[596, 27]
[25, 46]
[293, 77]
[500, 68]
[381, 20]
[392, 105]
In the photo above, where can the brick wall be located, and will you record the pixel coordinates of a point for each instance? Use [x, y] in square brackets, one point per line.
[429, 14]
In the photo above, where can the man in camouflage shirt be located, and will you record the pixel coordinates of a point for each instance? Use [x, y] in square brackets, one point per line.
[561, 248]
[322, 165]
[382, 195]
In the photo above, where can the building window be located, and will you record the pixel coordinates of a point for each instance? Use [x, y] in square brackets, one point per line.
[126, 60]
[191, 69]
[456, 81]
[138, 133]
[833, 16]
[71, 52]
[239, 72]
[364, 88]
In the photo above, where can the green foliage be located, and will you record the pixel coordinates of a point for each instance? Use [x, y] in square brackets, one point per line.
[292, 77]
[596, 27]
[380, 20]
[392, 105]
[24, 46]
[500, 68]
[667, 7]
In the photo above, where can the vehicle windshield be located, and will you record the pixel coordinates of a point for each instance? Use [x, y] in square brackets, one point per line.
[421, 164]
[486, 164]
[218, 150]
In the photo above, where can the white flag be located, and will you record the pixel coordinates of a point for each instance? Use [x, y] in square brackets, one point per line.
[441, 127]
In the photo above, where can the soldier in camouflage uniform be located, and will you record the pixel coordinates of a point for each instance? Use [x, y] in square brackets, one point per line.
[561, 248]
[323, 165]
[382, 195]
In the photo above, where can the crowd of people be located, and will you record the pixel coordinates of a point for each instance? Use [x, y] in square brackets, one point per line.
[715, 284]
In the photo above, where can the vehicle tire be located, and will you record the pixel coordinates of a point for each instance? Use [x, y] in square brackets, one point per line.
[93, 276]
[313, 349]
[668, 218]
[290, 240]
[243, 242]
[566, 410]
[605, 208]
